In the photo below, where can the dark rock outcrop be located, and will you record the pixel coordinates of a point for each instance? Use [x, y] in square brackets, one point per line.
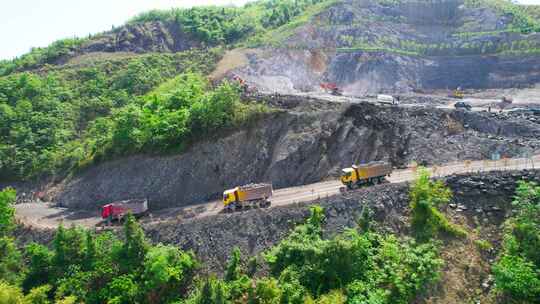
[309, 143]
[154, 36]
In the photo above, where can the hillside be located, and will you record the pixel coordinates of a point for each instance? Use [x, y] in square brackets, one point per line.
[363, 46]
[176, 106]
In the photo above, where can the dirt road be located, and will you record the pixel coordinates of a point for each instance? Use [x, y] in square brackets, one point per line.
[46, 215]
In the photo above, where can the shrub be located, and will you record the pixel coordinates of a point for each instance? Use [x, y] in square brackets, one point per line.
[7, 212]
[517, 278]
[425, 196]
[516, 272]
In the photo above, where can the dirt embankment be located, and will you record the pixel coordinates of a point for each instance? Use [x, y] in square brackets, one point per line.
[310, 142]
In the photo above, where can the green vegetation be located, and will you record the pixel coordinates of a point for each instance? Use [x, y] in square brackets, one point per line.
[40, 56]
[229, 25]
[521, 19]
[483, 245]
[72, 116]
[427, 222]
[467, 45]
[356, 266]
[60, 118]
[517, 274]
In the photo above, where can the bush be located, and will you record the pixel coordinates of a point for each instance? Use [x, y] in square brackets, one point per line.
[7, 212]
[366, 264]
[516, 273]
[425, 196]
[517, 278]
[10, 294]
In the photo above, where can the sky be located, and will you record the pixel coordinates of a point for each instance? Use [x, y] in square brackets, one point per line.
[37, 23]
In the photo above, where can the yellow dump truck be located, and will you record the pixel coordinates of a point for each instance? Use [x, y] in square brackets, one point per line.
[366, 174]
[247, 196]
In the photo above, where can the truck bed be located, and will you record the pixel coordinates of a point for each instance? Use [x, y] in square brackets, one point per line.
[374, 169]
[255, 191]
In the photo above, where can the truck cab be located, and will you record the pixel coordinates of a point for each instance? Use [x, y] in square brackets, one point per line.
[348, 175]
[229, 196]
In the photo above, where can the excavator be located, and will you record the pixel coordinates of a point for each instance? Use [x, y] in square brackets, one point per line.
[331, 88]
[457, 93]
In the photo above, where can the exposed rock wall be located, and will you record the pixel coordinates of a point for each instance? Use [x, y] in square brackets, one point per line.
[154, 36]
[370, 47]
[310, 142]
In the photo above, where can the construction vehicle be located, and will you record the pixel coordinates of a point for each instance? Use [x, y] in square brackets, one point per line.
[247, 196]
[367, 174]
[387, 99]
[462, 105]
[505, 102]
[118, 210]
[243, 85]
[331, 88]
[457, 93]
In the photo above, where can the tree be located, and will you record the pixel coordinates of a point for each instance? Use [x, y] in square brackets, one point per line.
[10, 294]
[90, 253]
[38, 295]
[425, 196]
[233, 270]
[69, 249]
[40, 264]
[122, 290]
[134, 248]
[252, 266]
[11, 263]
[213, 291]
[7, 212]
[167, 273]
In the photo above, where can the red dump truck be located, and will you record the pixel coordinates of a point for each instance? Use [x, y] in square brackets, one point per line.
[252, 195]
[117, 210]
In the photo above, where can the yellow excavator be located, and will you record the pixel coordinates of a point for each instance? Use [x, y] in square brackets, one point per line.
[457, 93]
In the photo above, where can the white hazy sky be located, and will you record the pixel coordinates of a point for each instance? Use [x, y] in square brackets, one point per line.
[34, 23]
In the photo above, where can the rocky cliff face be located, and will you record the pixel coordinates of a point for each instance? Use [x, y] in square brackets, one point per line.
[144, 37]
[370, 47]
[309, 143]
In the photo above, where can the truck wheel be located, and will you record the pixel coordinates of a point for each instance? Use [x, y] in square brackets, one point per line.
[230, 208]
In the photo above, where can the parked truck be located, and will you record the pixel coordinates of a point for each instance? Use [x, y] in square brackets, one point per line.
[366, 174]
[117, 210]
[387, 99]
[252, 195]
